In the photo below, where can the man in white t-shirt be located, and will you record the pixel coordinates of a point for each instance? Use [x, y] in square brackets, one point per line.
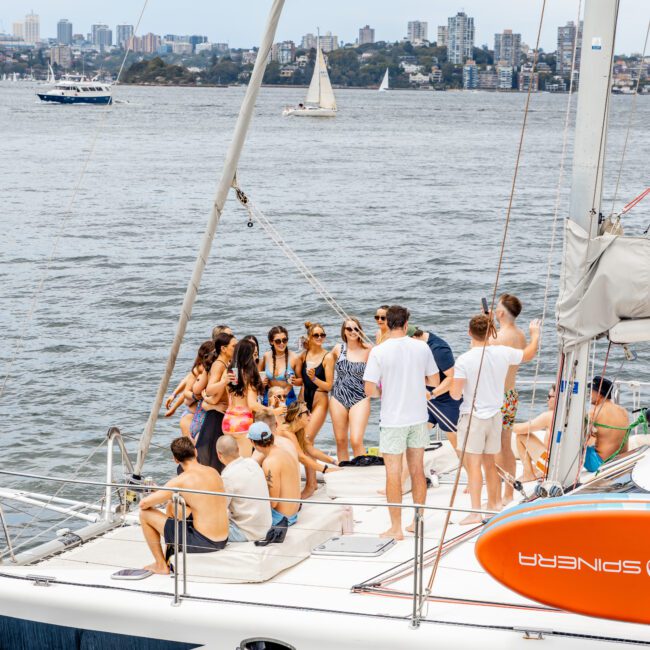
[249, 519]
[482, 425]
[403, 367]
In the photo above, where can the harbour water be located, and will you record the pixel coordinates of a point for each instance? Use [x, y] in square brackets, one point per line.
[401, 198]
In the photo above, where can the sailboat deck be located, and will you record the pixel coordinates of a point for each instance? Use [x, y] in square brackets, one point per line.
[324, 583]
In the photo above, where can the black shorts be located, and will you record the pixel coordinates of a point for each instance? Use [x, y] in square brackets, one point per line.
[444, 413]
[196, 542]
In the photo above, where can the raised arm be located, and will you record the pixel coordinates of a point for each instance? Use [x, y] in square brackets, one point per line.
[531, 349]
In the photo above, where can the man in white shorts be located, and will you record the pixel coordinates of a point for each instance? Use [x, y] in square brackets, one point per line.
[482, 426]
[403, 367]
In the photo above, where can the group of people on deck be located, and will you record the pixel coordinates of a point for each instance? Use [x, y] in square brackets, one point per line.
[249, 420]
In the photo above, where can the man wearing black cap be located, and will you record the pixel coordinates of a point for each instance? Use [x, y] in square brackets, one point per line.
[609, 424]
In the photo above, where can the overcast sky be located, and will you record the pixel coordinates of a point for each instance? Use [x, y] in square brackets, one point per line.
[240, 22]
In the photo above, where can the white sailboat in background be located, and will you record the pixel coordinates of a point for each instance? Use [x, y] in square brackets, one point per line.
[320, 100]
[384, 83]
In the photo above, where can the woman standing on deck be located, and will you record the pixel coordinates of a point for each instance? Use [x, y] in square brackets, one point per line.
[382, 325]
[317, 369]
[281, 366]
[215, 401]
[244, 390]
[349, 406]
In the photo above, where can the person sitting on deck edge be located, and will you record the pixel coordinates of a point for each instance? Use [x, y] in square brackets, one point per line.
[282, 472]
[609, 425]
[207, 525]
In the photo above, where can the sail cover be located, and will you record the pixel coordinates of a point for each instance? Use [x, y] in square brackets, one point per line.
[616, 286]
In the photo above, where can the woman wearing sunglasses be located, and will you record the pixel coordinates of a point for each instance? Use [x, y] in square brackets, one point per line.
[317, 367]
[532, 451]
[349, 406]
[281, 365]
[382, 325]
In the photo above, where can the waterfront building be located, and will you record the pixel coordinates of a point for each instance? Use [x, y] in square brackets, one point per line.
[284, 52]
[248, 57]
[122, 35]
[61, 55]
[32, 33]
[504, 76]
[566, 37]
[488, 79]
[507, 47]
[64, 32]
[410, 68]
[460, 44]
[443, 36]
[419, 79]
[436, 75]
[18, 30]
[101, 37]
[470, 75]
[555, 84]
[528, 78]
[366, 35]
[417, 32]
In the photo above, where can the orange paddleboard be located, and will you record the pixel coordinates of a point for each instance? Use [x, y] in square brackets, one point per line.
[588, 555]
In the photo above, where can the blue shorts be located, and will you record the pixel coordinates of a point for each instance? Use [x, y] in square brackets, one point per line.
[276, 518]
[444, 413]
[592, 460]
[235, 533]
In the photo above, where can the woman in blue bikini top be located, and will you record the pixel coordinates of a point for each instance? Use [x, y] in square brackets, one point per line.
[281, 366]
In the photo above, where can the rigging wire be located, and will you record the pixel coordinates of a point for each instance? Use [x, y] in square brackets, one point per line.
[26, 322]
[493, 301]
[630, 120]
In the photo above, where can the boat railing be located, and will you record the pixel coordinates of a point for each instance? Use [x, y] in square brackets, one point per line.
[180, 576]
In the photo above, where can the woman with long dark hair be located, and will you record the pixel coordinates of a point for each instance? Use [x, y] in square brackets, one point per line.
[349, 406]
[215, 401]
[280, 365]
[382, 325]
[244, 390]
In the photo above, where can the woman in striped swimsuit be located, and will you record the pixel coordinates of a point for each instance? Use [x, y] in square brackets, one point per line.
[349, 406]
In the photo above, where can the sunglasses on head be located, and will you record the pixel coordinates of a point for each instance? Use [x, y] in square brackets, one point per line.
[280, 341]
[378, 317]
[319, 336]
[352, 329]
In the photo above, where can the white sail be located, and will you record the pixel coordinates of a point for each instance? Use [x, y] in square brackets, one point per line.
[320, 91]
[384, 82]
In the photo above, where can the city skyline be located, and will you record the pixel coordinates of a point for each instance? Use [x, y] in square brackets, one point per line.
[240, 27]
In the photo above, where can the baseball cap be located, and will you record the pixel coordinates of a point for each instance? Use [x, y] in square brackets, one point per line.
[411, 330]
[601, 385]
[259, 431]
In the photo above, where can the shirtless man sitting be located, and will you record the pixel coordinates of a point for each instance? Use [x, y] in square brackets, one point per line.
[282, 471]
[609, 425]
[207, 525]
[506, 312]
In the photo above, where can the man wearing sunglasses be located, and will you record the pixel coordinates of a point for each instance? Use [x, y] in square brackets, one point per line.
[404, 367]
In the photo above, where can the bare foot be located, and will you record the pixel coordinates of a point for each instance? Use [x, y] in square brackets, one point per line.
[395, 533]
[471, 519]
[410, 528]
[162, 569]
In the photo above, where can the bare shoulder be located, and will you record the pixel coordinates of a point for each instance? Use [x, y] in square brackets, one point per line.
[513, 337]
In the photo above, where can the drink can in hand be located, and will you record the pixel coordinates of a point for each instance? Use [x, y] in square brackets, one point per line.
[236, 375]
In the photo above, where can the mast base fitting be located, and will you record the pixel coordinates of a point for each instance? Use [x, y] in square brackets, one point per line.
[549, 489]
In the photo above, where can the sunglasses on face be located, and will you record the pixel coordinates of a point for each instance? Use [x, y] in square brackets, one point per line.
[379, 318]
[352, 329]
[319, 336]
[280, 341]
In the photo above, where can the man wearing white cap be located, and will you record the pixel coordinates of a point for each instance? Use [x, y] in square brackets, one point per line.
[282, 472]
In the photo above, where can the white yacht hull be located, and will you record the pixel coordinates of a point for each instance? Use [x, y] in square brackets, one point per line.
[309, 112]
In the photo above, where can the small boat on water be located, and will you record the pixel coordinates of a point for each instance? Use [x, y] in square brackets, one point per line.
[320, 100]
[384, 83]
[76, 89]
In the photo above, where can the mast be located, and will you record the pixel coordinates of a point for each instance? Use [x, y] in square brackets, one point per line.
[586, 193]
[318, 56]
[227, 176]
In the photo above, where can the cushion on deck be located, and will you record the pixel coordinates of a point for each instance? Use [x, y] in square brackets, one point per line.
[245, 562]
[355, 482]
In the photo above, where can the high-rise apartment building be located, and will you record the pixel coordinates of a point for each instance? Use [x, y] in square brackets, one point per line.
[18, 30]
[470, 75]
[284, 52]
[150, 43]
[417, 31]
[122, 35]
[460, 44]
[328, 42]
[64, 32]
[566, 37]
[366, 35]
[61, 55]
[507, 48]
[528, 79]
[32, 33]
[504, 77]
[101, 37]
[443, 36]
